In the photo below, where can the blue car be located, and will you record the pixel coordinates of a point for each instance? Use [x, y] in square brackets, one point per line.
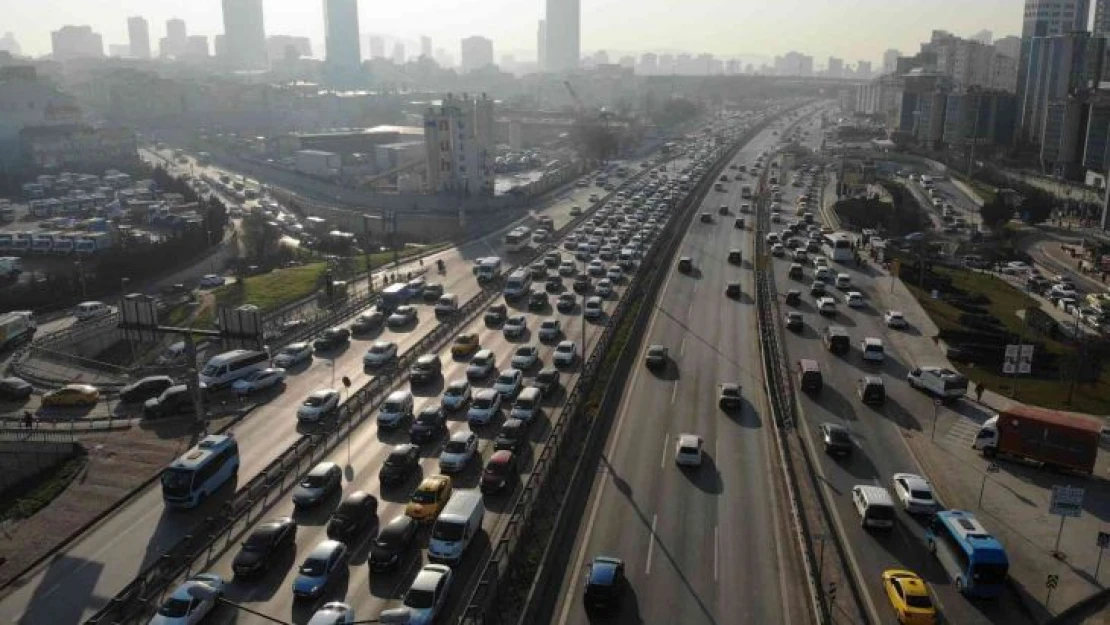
[604, 584]
[326, 562]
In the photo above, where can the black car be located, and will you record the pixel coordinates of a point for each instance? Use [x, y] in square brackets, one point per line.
[581, 284]
[496, 314]
[656, 357]
[402, 461]
[174, 400]
[265, 543]
[732, 289]
[836, 439]
[429, 423]
[793, 297]
[554, 284]
[426, 369]
[14, 388]
[392, 542]
[547, 380]
[537, 300]
[146, 388]
[729, 396]
[353, 516]
[604, 584]
[566, 303]
[512, 436]
[685, 264]
[368, 322]
[331, 338]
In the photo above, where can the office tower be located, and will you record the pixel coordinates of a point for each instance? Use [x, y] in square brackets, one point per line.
[399, 53]
[1046, 18]
[890, 60]
[649, 64]
[342, 57]
[1060, 68]
[563, 40]
[835, 68]
[458, 144]
[477, 52]
[541, 46]
[246, 34]
[426, 47]
[377, 47]
[196, 47]
[173, 44]
[285, 47]
[138, 34]
[76, 42]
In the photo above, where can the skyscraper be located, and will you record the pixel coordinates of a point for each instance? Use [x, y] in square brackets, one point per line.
[477, 52]
[1046, 18]
[541, 46]
[138, 35]
[342, 56]
[377, 47]
[426, 47]
[835, 68]
[890, 60]
[76, 42]
[246, 34]
[563, 35]
[1101, 26]
[173, 44]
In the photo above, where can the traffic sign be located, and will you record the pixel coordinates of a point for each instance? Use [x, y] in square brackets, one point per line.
[1052, 581]
[1103, 540]
[1066, 501]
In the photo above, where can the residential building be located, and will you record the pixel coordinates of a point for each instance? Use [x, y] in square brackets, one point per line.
[219, 46]
[667, 64]
[279, 47]
[76, 42]
[1009, 46]
[477, 53]
[965, 61]
[1101, 24]
[342, 57]
[458, 140]
[377, 47]
[563, 38]
[794, 64]
[863, 69]
[77, 147]
[173, 44]
[196, 47]
[1045, 18]
[628, 62]
[890, 60]
[26, 100]
[984, 37]
[138, 35]
[1096, 143]
[649, 64]
[426, 47]
[246, 34]
[835, 68]
[921, 105]
[1003, 73]
[601, 57]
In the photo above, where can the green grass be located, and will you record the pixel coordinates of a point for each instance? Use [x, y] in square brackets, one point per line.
[271, 290]
[36, 492]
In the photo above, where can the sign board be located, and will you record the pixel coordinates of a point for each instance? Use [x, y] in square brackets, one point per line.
[1052, 581]
[1018, 359]
[1103, 540]
[1066, 501]
[139, 318]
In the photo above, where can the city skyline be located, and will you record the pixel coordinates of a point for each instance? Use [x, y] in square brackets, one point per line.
[650, 26]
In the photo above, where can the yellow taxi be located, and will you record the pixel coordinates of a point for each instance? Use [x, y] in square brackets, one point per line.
[72, 395]
[429, 498]
[465, 344]
[909, 596]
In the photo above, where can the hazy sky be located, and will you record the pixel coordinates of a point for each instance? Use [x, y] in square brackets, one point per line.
[852, 29]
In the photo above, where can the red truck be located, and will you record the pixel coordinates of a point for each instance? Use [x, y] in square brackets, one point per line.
[1067, 440]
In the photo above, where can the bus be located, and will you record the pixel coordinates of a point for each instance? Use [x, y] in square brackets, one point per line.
[200, 471]
[838, 246]
[518, 239]
[970, 556]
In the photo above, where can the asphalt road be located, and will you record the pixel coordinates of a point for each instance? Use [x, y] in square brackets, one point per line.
[705, 545]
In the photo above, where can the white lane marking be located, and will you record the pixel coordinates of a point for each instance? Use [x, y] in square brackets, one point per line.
[663, 462]
[651, 543]
[674, 392]
[682, 347]
[716, 552]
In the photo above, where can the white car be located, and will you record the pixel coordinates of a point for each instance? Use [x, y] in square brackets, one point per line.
[894, 319]
[318, 404]
[688, 450]
[333, 613]
[458, 452]
[872, 349]
[424, 599]
[481, 365]
[525, 357]
[615, 274]
[293, 354]
[485, 404]
[826, 305]
[211, 280]
[592, 308]
[456, 395]
[596, 268]
[379, 353]
[854, 299]
[915, 493]
[604, 287]
[550, 329]
[260, 380]
[566, 268]
[508, 383]
[181, 608]
[566, 353]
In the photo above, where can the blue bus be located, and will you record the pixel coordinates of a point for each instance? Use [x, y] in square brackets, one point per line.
[200, 471]
[973, 558]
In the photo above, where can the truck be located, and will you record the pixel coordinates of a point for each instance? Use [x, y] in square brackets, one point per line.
[16, 327]
[94, 242]
[1052, 438]
[393, 296]
[488, 269]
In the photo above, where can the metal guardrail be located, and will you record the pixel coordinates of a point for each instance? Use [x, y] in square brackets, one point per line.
[20, 435]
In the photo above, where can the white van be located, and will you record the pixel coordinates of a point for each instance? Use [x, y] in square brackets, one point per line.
[448, 303]
[458, 524]
[843, 280]
[874, 505]
[872, 349]
[91, 310]
[527, 404]
[223, 369]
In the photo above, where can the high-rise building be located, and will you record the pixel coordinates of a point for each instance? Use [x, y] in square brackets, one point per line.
[563, 40]
[477, 52]
[9, 44]
[966, 61]
[458, 144]
[138, 35]
[541, 46]
[399, 53]
[835, 68]
[1060, 67]
[863, 69]
[983, 36]
[426, 47]
[219, 46]
[76, 42]
[1101, 25]
[285, 47]
[1045, 18]
[377, 47]
[246, 34]
[342, 58]
[196, 47]
[627, 62]
[649, 64]
[890, 60]
[794, 64]
[173, 44]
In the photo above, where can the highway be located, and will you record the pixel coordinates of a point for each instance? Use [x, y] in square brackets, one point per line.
[76, 582]
[708, 544]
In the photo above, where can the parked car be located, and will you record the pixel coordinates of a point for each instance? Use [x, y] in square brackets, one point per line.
[15, 389]
[141, 390]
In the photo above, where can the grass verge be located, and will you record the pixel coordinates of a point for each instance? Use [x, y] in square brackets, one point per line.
[36, 492]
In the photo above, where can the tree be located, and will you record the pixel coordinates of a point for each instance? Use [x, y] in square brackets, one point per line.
[594, 140]
[996, 212]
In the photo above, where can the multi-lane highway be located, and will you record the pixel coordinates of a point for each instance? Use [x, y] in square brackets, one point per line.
[708, 544]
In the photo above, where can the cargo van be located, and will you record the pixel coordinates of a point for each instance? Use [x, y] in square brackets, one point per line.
[448, 303]
[874, 505]
[91, 310]
[843, 280]
[527, 404]
[837, 340]
[809, 375]
[871, 390]
[457, 525]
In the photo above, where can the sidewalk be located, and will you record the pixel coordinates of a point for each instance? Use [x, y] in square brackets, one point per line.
[1015, 500]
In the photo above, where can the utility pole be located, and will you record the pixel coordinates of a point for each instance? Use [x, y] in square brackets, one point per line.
[367, 254]
[393, 225]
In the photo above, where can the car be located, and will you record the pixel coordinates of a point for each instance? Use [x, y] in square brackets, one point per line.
[352, 517]
[525, 357]
[432, 292]
[495, 315]
[615, 274]
[486, 404]
[685, 264]
[211, 280]
[428, 498]
[465, 344]
[596, 268]
[481, 365]
[318, 405]
[393, 540]
[508, 383]
[915, 493]
[566, 353]
[15, 389]
[592, 308]
[909, 596]
[139, 390]
[322, 481]
[428, 423]
[854, 299]
[567, 268]
[604, 287]
[688, 450]
[331, 339]
[333, 613]
[732, 290]
[368, 322]
[512, 436]
[177, 399]
[424, 599]
[836, 439]
[322, 567]
[182, 608]
[793, 297]
[739, 223]
[402, 316]
[794, 321]
[537, 300]
[795, 272]
[817, 289]
[550, 330]
[894, 319]
[260, 380]
[403, 460]
[729, 396]
[656, 357]
[267, 542]
[547, 380]
[515, 326]
[456, 395]
[826, 306]
[380, 353]
[293, 354]
[581, 284]
[605, 584]
[427, 368]
[72, 395]
[499, 469]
